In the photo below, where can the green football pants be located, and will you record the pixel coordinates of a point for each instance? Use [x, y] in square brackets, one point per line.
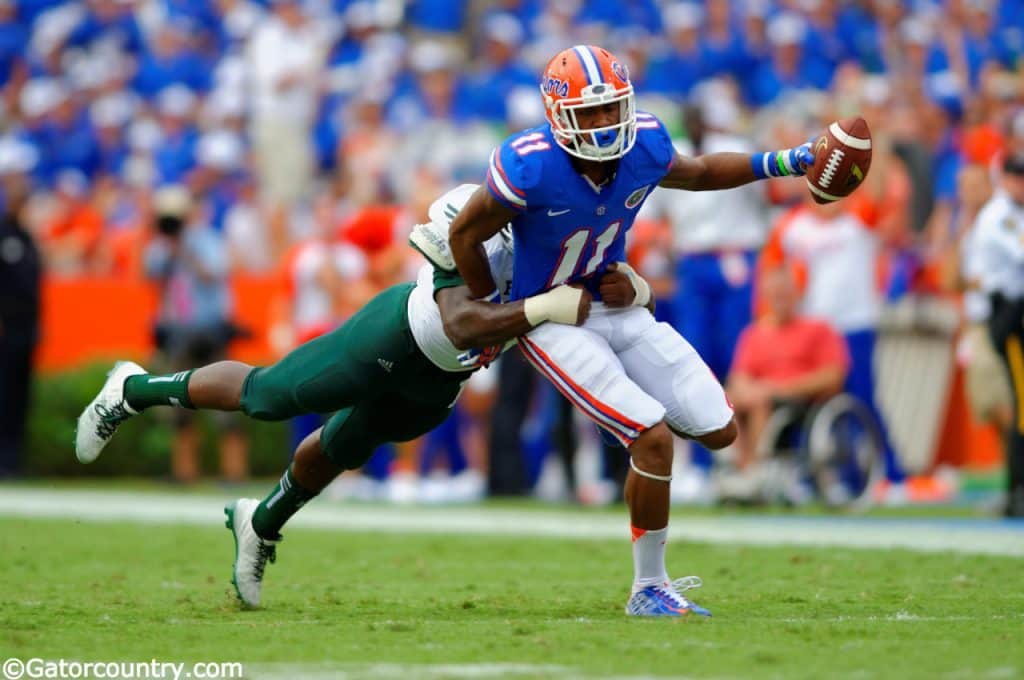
[370, 372]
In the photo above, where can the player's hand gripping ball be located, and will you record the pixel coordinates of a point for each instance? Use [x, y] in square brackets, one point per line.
[842, 158]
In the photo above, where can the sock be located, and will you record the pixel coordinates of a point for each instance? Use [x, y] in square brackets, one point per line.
[143, 391]
[277, 508]
[649, 556]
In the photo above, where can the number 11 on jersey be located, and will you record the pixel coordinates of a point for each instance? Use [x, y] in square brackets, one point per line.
[574, 247]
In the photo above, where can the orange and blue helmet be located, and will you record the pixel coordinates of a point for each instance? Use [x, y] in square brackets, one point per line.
[581, 77]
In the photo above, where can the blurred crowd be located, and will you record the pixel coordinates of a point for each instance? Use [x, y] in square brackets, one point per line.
[303, 138]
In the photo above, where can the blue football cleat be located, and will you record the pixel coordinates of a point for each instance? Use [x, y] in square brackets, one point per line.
[666, 599]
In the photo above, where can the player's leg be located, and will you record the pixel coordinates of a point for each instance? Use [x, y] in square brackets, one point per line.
[580, 363]
[346, 442]
[664, 365]
[321, 376]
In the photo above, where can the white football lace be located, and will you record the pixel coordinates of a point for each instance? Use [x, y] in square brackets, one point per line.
[831, 167]
[687, 583]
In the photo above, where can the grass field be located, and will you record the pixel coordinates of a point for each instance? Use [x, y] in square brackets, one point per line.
[366, 604]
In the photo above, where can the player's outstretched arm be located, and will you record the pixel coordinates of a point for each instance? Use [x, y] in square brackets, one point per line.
[481, 218]
[727, 169]
[471, 323]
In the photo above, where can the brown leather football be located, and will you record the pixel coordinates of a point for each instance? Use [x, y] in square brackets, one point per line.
[842, 158]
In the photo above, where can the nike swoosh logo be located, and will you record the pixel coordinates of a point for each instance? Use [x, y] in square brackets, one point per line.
[553, 213]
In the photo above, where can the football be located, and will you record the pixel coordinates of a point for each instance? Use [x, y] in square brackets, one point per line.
[842, 158]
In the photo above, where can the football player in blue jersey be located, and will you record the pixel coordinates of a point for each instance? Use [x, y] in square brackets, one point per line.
[571, 190]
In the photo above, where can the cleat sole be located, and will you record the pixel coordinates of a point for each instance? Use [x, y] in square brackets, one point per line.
[229, 524]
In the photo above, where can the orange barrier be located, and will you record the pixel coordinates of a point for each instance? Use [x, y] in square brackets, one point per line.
[964, 442]
[91, 319]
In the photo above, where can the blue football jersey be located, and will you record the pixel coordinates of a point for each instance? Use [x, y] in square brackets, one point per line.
[567, 229]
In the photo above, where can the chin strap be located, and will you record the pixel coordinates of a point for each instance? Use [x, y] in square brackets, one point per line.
[648, 475]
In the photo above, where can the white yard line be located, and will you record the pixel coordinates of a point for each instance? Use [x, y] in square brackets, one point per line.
[927, 535]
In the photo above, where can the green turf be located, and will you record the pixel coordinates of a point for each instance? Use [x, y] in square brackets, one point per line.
[96, 591]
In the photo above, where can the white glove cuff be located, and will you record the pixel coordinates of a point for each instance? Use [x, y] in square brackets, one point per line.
[642, 288]
[560, 304]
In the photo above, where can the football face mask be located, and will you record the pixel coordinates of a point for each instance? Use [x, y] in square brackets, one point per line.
[576, 83]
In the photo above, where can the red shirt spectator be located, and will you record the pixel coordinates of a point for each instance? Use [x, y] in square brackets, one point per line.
[782, 356]
[782, 353]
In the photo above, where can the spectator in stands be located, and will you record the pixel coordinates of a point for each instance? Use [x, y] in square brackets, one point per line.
[788, 69]
[437, 93]
[782, 357]
[219, 173]
[174, 155]
[171, 61]
[189, 262]
[721, 44]
[678, 70]
[72, 235]
[107, 21]
[109, 116]
[285, 57]
[438, 17]
[825, 43]
[238, 19]
[500, 72]
[367, 150]
[13, 41]
[20, 281]
[246, 228]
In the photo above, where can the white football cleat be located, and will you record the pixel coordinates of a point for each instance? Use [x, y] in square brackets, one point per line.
[101, 417]
[251, 551]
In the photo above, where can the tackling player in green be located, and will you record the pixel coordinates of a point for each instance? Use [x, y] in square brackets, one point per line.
[408, 351]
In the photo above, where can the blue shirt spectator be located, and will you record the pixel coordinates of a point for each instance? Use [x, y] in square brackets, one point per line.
[501, 72]
[174, 156]
[433, 92]
[638, 13]
[675, 72]
[788, 69]
[170, 62]
[13, 40]
[110, 22]
[28, 10]
[439, 16]
[110, 115]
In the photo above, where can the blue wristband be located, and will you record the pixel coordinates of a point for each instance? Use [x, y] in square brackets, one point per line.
[773, 164]
[758, 165]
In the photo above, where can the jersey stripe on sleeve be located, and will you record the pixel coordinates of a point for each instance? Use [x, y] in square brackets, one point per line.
[501, 188]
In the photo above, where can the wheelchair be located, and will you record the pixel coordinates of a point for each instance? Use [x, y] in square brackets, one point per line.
[829, 450]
